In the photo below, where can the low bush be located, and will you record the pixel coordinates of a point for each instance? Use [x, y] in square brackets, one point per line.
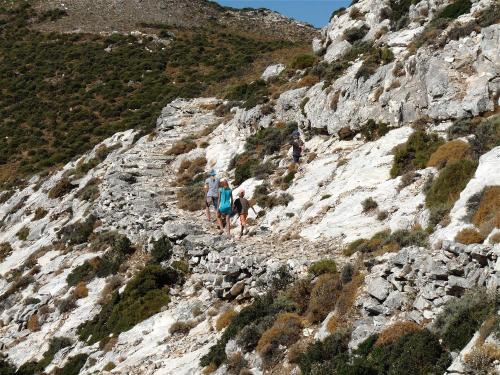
[446, 188]
[385, 241]
[462, 317]
[382, 215]
[373, 130]
[395, 331]
[323, 266]
[236, 365]
[162, 250]
[40, 213]
[181, 265]
[67, 304]
[285, 331]
[487, 215]
[81, 290]
[487, 135]
[56, 344]
[109, 366]
[5, 250]
[324, 295]
[300, 294]
[182, 146]
[181, 327]
[469, 236]
[264, 199]
[225, 319]
[78, 232]
[191, 198]
[449, 152]
[143, 297]
[338, 12]
[415, 153]
[251, 94]
[303, 61]
[353, 34]
[369, 204]
[377, 56]
[344, 307]
[455, 9]
[90, 192]
[72, 366]
[23, 233]
[33, 323]
[191, 178]
[481, 359]
[62, 188]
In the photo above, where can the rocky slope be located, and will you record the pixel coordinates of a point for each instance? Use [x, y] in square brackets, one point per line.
[348, 202]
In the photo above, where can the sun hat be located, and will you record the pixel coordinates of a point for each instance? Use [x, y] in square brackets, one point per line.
[212, 173]
[295, 134]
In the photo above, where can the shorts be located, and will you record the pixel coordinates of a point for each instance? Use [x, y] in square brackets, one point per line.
[225, 211]
[296, 158]
[213, 201]
[243, 218]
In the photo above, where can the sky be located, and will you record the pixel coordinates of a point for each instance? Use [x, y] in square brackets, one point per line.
[315, 12]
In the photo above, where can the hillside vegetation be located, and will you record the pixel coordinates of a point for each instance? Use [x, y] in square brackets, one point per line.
[64, 93]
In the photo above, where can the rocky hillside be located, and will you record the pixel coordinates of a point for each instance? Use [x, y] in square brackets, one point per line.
[377, 254]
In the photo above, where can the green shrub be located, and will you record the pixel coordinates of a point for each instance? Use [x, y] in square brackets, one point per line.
[487, 135]
[373, 131]
[338, 12]
[462, 317]
[303, 61]
[264, 199]
[40, 213]
[78, 232]
[399, 14]
[371, 62]
[181, 265]
[446, 188]
[52, 15]
[62, 188]
[56, 344]
[143, 297]
[353, 34]
[251, 94]
[323, 266]
[369, 204]
[73, 365]
[23, 233]
[90, 192]
[6, 368]
[5, 250]
[162, 250]
[455, 9]
[415, 153]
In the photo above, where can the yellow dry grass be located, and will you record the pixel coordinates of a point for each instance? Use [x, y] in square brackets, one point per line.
[469, 236]
[395, 331]
[345, 304]
[487, 215]
[81, 290]
[225, 319]
[286, 330]
[449, 152]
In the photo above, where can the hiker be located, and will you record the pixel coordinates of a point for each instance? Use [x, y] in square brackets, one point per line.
[211, 193]
[297, 145]
[225, 207]
[242, 205]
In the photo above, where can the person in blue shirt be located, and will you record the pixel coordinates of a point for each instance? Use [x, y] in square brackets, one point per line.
[225, 207]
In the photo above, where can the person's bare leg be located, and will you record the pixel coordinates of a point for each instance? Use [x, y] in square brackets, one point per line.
[228, 225]
[219, 222]
[207, 210]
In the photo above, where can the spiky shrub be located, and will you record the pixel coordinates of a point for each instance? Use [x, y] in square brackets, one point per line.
[5, 250]
[487, 214]
[369, 204]
[78, 232]
[469, 236]
[162, 250]
[303, 61]
[73, 365]
[449, 152]
[323, 297]
[323, 266]
[63, 187]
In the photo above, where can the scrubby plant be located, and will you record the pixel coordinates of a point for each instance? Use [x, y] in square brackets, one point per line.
[225, 319]
[40, 213]
[63, 187]
[377, 56]
[56, 344]
[462, 317]
[78, 232]
[162, 250]
[446, 188]
[323, 266]
[251, 94]
[415, 153]
[373, 130]
[324, 295]
[67, 304]
[81, 290]
[23, 233]
[285, 331]
[181, 327]
[73, 365]
[303, 61]
[143, 297]
[109, 366]
[382, 215]
[395, 331]
[5, 250]
[487, 135]
[369, 204]
[469, 236]
[264, 199]
[455, 9]
[486, 216]
[300, 294]
[353, 34]
[90, 192]
[181, 265]
[181, 147]
[448, 153]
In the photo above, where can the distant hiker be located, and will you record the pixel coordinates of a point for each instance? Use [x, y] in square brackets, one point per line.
[211, 193]
[225, 207]
[297, 145]
[242, 205]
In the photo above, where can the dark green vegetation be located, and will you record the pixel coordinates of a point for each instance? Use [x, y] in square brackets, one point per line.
[386, 241]
[416, 353]
[399, 13]
[415, 153]
[73, 365]
[263, 197]
[323, 266]
[256, 317]
[162, 250]
[446, 188]
[251, 94]
[462, 317]
[143, 297]
[266, 141]
[78, 232]
[6, 368]
[373, 130]
[64, 93]
[105, 265]
[56, 344]
[486, 133]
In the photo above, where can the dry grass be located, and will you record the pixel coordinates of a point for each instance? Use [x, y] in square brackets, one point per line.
[5, 250]
[300, 293]
[81, 290]
[495, 238]
[345, 304]
[112, 284]
[285, 331]
[335, 100]
[307, 81]
[469, 236]
[189, 169]
[449, 152]
[236, 363]
[182, 327]
[394, 85]
[378, 92]
[395, 331]
[224, 319]
[488, 213]
[209, 369]
[181, 147]
[481, 358]
[110, 344]
[323, 297]
[40, 213]
[33, 323]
